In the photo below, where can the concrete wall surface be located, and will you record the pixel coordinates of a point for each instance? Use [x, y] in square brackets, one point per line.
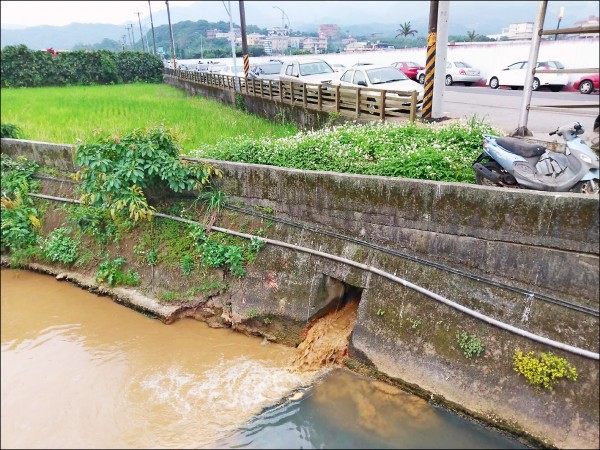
[524, 258]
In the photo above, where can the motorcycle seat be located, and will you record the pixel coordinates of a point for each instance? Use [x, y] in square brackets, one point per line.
[518, 147]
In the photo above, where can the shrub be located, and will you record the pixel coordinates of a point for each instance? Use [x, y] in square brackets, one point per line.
[431, 152]
[116, 173]
[18, 216]
[59, 247]
[545, 371]
[112, 273]
[10, 130]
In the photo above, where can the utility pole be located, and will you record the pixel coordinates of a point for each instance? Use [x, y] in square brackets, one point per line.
[244, 40]
[232, 36]
[129, 36]
[430, 60]
[124, 43]
[141, 32]
[172, 40]
[132, 35]
[152, 25]
[439, 79]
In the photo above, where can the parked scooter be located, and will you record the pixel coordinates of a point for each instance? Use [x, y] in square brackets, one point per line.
[511, 162]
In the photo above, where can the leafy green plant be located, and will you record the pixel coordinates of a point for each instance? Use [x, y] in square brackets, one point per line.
[169, 296]
[469, 344]
[239, 102]
[112, 273]
[115, 171]
[544, 371]
[59, 247]
[215, 200]
[9, 130]
[415, 323]
[186, 265]
[252, 313]
[380, 312]
[256, 244]
[151, 257]
[421, 151]
[267, 320]
[18, 215]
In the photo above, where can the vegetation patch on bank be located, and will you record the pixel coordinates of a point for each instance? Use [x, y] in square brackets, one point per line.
[420, 151]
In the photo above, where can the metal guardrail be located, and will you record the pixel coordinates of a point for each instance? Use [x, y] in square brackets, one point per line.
[352, 102]
[561, 108]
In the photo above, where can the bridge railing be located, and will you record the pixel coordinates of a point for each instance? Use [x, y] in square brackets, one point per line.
[356, 102]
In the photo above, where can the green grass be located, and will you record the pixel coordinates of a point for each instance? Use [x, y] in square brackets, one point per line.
[65, 114]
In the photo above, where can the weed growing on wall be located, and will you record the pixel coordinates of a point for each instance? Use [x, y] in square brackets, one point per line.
[112, 273]
[59, 247]
[431, 152]
[470, 344]
[544, 371]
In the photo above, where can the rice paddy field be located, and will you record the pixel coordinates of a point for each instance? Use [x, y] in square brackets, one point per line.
[67, 115]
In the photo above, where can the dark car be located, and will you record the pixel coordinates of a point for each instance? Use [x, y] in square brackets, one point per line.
[408, 68]
[587, 83]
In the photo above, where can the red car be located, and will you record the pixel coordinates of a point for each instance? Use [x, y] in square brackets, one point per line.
[408, 68]
[587, 83]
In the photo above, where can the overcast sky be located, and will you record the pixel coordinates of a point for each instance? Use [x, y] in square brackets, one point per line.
[32, 13]
[267, 13]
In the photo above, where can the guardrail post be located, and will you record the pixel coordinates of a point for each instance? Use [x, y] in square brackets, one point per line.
[413, 106]
[319, 94]
[357, 103]
[382, 113]
[337, 98]
[304, 94]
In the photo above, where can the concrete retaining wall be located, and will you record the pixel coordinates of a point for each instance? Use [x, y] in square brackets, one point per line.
[479, 247]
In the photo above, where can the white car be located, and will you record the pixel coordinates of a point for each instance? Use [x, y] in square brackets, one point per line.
[313, 70]
[381, 78]
[456, 72]
[514, 76]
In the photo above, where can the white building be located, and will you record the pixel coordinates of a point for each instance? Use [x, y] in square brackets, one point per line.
[515, 31]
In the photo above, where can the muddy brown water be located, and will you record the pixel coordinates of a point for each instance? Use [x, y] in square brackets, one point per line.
[80, 371]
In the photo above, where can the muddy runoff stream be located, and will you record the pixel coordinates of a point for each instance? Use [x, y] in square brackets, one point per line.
[80, 371]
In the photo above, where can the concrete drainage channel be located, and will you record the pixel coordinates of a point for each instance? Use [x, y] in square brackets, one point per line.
[432, 295]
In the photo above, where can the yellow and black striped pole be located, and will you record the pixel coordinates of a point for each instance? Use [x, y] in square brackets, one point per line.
[430, 61]
[244, 40]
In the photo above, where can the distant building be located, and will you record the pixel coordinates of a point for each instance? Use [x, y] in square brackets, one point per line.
[267, 46]
[295, 42]
[279, 44]
[278, 31]
[515, 32]
[358, 47]
[316, 45]
[255, 39]
[212, 34]
[592, 21]
[329, 29]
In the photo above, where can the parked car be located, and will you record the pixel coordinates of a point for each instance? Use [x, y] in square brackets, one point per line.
[205, 66]
[381, 78]
[456, 72]
[311, 70]
[338, 67]
[408, 68]
[228, 70]
[514, 76]
[587, 83]
[266, 71]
